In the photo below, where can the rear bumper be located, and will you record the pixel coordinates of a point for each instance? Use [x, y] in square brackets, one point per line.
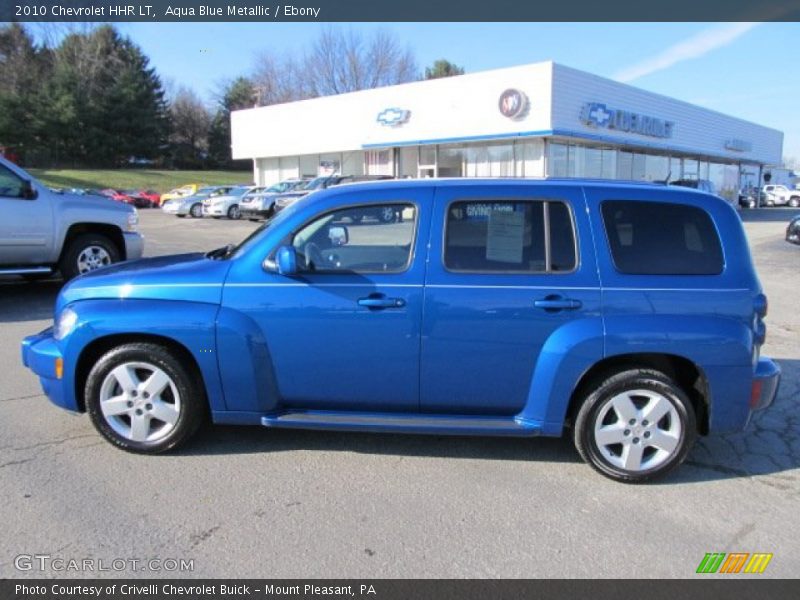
[766, 381]
[40, 353]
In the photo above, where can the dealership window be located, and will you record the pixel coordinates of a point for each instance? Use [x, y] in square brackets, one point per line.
[625, 165]
[506, 236]
[529, 158]
[656, 167]
[379, 162]
[559, 160]
[659, 238]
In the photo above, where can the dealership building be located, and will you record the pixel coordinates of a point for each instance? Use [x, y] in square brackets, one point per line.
[537, 120]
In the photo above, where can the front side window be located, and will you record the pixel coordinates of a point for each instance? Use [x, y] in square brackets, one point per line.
[660, 238]
[509, 237]
[361, 239]
[11, 186]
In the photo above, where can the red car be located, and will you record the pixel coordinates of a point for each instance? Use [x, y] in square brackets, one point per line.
[146, 198]
[116, 195]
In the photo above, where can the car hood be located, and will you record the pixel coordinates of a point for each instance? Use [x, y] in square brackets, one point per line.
[187, 277]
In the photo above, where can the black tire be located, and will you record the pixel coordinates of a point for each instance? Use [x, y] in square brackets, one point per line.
[68, 265]
[191, 394]
[234, 213]
[794, 201]
[181, 216]
[196, 211]
[595, 405]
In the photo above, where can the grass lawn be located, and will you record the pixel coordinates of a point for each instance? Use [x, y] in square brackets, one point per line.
[129, 179]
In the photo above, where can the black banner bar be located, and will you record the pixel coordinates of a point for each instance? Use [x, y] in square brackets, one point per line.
[702, 588]
[405, 10]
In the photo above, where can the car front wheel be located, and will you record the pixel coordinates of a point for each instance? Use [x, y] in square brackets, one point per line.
[234, 212]
[142, 398]
[196, 211]
[635, 425]
[87, 252]
[794, 201]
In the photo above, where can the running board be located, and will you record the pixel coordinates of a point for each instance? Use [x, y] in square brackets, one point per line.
[403, 423]
[26, 271]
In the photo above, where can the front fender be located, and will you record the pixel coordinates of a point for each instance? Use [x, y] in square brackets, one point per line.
[190, 324]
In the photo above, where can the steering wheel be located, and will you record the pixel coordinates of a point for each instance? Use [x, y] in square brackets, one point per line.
[314, 258]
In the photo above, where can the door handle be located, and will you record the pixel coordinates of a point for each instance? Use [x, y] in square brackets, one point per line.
[556, 303]
[381, 302]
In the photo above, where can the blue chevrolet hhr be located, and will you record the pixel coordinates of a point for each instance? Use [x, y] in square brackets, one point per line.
[628, 314]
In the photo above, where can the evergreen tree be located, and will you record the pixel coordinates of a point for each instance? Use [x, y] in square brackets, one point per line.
[443, 68]
[237, 95]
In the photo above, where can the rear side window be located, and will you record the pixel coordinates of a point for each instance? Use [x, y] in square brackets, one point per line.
[659, 238]
[487, 236]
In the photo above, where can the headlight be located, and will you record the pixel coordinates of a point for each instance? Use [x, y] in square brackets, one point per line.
[65, 323]
[133, 220]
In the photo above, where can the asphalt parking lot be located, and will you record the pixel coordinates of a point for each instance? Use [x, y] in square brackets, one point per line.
[248, 502]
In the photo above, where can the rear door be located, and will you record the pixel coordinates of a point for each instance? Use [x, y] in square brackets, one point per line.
[509, 267]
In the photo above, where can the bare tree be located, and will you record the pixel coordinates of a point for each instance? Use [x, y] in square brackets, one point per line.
[278, 79]
[190, 121]
[345, 61]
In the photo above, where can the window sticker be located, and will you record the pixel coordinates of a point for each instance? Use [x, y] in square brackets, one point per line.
[505, 236]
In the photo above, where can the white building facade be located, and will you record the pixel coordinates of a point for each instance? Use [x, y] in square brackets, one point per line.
[538, 120]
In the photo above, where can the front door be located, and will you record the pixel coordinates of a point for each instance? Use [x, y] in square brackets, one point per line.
[26, 225]
[343, 334]
[504, 276]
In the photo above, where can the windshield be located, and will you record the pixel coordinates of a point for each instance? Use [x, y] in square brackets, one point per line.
[243, 246]
[316, 183]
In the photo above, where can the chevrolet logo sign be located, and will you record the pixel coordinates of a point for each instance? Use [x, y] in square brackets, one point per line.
[393, 117]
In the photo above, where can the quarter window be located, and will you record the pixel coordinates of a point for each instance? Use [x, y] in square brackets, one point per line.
[509, 236]
[659, 238]
[362, 239]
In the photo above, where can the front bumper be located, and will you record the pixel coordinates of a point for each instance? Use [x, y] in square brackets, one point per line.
[134, 245]
[40, 353]
[766, 381]
[255, 213]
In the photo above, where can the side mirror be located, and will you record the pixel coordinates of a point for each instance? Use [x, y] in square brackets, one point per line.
[339, 236]
[28, 192]
[287, 260]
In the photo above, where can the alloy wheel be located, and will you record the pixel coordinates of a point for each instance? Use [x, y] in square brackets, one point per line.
[140, 402]
[637, 430]
[93, 257]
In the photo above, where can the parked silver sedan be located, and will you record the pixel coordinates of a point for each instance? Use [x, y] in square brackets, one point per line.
[193, 205]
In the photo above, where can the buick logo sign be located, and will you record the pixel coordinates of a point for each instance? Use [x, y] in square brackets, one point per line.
[513, 103]
[393, 117]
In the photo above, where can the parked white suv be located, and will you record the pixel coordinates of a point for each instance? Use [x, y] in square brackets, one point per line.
[42, 230]
[780, 195]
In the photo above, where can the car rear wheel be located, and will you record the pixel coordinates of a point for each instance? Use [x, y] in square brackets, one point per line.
[794, 201]
[142, 398]
[196, 211]
[635, 425]
[234, 212]
[87, 252]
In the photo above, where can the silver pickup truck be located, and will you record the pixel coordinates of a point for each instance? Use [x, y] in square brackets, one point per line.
[42, 231]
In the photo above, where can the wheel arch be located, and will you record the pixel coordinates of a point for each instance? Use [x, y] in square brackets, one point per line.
[92, 352]
[689, 376]
[112, 232]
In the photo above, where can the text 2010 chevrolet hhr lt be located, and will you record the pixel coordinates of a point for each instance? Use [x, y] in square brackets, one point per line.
[629, 314]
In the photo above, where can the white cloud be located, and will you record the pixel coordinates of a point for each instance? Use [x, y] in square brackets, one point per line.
[696, 46]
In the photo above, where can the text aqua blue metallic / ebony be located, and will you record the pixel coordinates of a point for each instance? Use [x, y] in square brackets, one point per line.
[628, 314]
